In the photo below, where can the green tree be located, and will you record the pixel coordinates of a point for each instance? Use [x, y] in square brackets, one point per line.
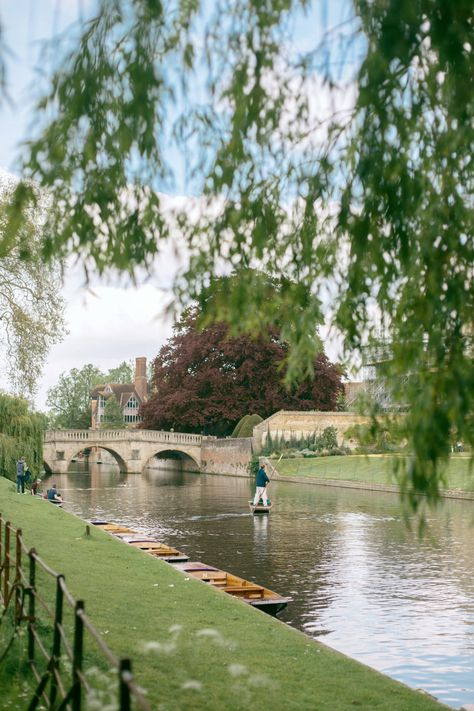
[123, 373]
[113, 415]
[21, 435]
[371, 202]
[31, 306]
[70, 400]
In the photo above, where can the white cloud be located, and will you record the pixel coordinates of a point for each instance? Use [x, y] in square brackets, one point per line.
[107, 326]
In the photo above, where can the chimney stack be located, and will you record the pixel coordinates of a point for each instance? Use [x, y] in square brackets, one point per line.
[140, 381]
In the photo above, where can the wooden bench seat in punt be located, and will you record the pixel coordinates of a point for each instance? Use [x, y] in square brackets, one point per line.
[209, 576]
[149, 545]
[250, 591]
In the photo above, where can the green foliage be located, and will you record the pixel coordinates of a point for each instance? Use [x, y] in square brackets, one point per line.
[21, 435]
[31, 307]
[124, 373]
[244, 427]
[324, 443]
[254, 465]
[382, 435]
[70, 401]
[371, 202]
[113, 415]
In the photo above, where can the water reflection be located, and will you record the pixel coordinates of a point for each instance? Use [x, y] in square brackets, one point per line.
[359, 579]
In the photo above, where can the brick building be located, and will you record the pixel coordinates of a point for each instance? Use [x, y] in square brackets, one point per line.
[129, 396]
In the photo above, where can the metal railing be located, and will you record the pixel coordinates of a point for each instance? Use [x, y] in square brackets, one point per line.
[57, 664]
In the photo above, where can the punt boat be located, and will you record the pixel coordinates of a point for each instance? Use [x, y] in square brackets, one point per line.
[142, 542]
[251, 593]
[260, 508]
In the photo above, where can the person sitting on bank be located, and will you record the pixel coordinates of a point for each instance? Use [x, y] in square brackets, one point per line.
[34, 486]
[261, 491]
[54, 495]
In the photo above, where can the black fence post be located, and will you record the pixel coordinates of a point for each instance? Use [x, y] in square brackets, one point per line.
[32, 607]
[125, 674]
[6, 566]
[77, 658]
[56, 652]
[17, 582]
[1, 553]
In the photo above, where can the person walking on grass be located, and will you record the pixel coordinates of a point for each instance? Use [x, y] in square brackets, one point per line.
[261, 483]
[20, 475]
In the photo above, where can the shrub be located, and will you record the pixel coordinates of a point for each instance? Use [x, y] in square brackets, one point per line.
[244, 427]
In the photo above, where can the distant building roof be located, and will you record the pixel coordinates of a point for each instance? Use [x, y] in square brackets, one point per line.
[122, 391]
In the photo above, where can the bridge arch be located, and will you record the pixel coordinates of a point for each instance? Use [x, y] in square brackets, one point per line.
[119, 460]
[177, 453]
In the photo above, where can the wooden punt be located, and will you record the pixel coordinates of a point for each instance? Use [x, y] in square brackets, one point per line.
[143, 542]
[251, 593]
[260, 508]
[113, 527]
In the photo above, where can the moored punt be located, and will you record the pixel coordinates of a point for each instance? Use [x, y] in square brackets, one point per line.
[113, 527]
[142, 542]
[251, 593]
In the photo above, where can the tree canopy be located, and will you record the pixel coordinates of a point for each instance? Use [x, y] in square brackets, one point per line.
[31, 305]
[113, 415]
[206, 381]
[21, 435]
[342, 161]
[70, 401]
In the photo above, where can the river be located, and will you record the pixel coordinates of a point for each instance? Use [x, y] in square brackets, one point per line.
[361, 582]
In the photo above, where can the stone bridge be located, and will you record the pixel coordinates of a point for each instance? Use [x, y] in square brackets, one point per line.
[132, 449]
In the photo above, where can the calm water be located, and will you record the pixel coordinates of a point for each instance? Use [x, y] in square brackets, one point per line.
[360, 582]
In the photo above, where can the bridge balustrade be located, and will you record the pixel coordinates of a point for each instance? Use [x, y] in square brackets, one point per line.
[114, 435]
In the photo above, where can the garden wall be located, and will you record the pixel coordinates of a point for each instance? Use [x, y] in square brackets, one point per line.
[291, 424]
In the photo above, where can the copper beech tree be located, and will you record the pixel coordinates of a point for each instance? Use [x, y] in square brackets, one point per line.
[205, 380]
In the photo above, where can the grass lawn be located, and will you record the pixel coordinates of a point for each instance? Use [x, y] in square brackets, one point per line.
[192, 647]
[372, 468]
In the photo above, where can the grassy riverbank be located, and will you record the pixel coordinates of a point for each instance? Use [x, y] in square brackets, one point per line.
[372, 468]
[191, 646]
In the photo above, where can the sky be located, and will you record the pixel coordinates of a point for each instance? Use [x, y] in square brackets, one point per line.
[107, 322]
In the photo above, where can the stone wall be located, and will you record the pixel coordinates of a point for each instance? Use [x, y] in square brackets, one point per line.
[226, 456]
[288, 424]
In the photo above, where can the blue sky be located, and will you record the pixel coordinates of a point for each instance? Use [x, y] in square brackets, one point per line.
[109, 323]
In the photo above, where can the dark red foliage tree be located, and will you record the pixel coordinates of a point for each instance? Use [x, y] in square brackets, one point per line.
[205, 381]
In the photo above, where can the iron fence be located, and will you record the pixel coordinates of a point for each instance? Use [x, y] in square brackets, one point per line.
[58, 663]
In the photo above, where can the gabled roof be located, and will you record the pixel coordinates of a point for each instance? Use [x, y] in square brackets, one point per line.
[123, 392]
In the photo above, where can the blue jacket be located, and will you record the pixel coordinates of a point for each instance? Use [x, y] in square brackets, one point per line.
[262, 478]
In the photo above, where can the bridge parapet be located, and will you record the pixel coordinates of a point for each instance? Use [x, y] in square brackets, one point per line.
[159, 436]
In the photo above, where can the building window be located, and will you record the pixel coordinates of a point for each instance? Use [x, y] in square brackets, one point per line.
[132, 418]
[132, 404]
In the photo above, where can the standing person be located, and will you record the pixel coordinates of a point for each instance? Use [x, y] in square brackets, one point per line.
[261, 491]
[20, 475]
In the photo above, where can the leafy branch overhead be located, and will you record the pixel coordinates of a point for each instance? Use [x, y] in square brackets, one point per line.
[339, 159]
